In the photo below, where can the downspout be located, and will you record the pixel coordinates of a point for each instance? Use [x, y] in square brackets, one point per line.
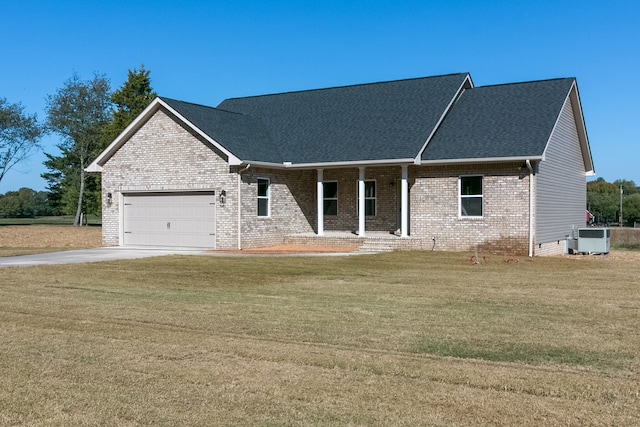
[530, 208]
[240, 205]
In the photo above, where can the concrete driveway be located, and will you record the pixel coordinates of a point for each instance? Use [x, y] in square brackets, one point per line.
[92, 255]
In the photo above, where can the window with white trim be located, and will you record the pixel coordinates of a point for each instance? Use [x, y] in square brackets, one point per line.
[263, 196]
[330, 191]
[471, 196]
[370, 201]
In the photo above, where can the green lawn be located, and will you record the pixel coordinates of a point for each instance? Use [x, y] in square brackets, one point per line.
[418, 338]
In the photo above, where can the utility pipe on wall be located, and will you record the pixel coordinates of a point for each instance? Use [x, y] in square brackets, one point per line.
[404, 202]
[530, 208]
[240, 205]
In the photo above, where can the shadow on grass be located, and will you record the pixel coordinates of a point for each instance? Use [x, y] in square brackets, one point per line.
[532, 354]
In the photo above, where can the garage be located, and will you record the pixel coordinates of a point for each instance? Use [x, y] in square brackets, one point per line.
[170, 219]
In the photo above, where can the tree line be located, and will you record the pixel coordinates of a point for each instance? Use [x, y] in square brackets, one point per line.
[604, 202]
[87, 116]
[26, 203]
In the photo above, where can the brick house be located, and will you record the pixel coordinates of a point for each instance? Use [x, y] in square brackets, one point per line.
[430, 163]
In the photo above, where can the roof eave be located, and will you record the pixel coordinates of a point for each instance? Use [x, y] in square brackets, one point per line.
[582, 130]
[481, 160]
[331, 165]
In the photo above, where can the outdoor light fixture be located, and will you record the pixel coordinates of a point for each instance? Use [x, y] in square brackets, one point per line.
[109, 199]
[223, 196]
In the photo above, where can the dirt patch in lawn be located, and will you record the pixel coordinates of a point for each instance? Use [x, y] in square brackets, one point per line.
[50, 236]
[289, 250]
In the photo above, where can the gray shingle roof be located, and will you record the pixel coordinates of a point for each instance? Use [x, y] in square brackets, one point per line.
[378, 121]
[242, 135]
[512, 120]
[386, 121]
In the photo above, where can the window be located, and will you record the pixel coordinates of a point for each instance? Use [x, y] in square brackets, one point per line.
[330, 190]
[470, 196]
[263, 197]
[369, 199]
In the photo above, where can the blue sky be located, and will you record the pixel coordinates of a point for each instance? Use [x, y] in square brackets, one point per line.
[206, 51]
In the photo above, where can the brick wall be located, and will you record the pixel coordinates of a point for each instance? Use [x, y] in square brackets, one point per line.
[504, 226]
[434, 206]
[292, 206]
[551, 248]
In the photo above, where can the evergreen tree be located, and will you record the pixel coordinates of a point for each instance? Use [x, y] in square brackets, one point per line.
[129, 101]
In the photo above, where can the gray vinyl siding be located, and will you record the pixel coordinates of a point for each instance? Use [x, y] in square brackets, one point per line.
[561, 188]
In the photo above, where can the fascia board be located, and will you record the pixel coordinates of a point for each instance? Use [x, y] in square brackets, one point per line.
[582, 130]
[574, 98]
[481, 160]
[466, 82]
[264, 164]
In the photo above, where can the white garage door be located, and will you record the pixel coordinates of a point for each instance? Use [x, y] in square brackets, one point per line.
[170, 219]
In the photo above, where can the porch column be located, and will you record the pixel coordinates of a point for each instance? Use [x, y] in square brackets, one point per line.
[361, 218]
[320, 203]
[404, 203]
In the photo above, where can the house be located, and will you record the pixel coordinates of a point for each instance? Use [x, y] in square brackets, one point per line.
[430, 163]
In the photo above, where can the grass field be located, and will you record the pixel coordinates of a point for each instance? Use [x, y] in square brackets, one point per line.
[26, 239]
[421, 338]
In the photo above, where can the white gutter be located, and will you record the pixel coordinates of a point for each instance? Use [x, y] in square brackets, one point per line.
[240, 205]
[481, 160]
[530, 207]
[323, 165]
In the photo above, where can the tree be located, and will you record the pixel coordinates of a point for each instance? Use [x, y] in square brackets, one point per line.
[19, 135]
[129, 100]
[603, 200]
[631, 207]
[78, 112]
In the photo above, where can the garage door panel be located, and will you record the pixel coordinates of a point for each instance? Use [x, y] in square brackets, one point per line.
[185, 220]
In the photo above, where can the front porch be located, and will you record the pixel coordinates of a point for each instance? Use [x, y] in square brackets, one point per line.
[362, 202]
[374, 241]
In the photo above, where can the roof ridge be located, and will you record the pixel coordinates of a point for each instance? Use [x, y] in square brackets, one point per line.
[164, 98]
[525, 82]
[348, 86]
